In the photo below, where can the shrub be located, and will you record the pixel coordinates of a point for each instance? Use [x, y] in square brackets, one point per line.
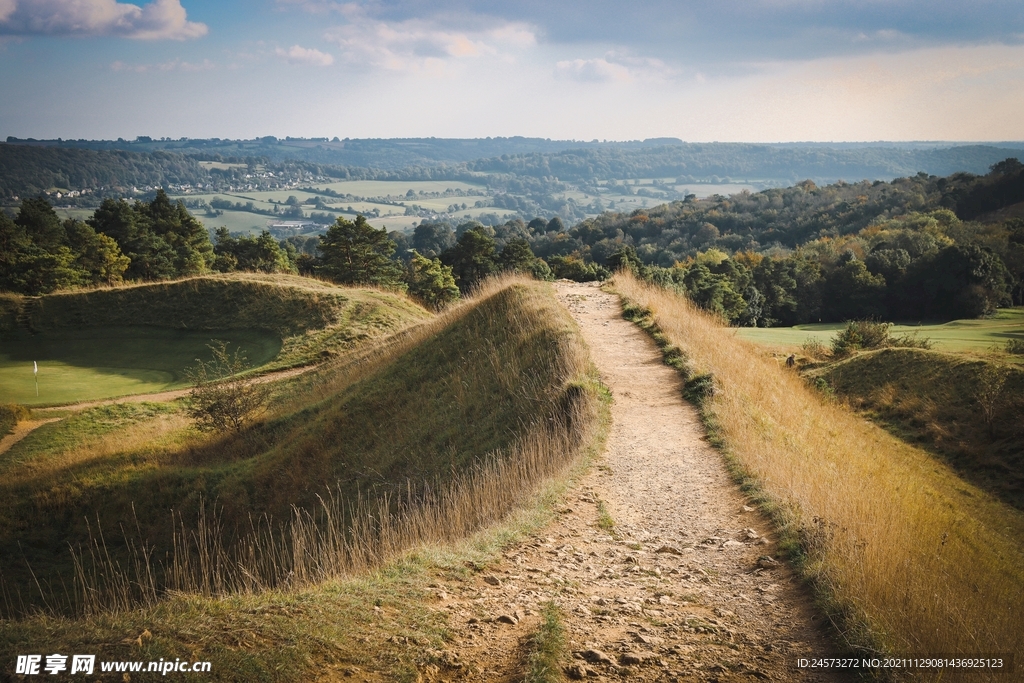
[813, 348]
[1015, 346]
[870, 334]
[221, 399]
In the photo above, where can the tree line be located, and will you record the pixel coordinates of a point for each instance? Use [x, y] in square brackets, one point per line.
[909, 249]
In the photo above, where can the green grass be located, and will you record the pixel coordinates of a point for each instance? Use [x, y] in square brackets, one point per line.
[966, 410]
[604, 518]
[385, 620]
[483, 379]
[382, 188]
[137, 339]
[549, 647]
[78, 431]
[235, 221]
[320, 631]
[979, 335]
[96, 363]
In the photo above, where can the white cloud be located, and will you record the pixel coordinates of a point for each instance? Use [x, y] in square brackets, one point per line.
[420, 45]
[160, 19]
[173, 65]
[614, 67]
[597, 70]
[297, 54]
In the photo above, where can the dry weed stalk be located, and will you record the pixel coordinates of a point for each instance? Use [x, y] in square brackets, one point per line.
[338, 537]
[893, 537]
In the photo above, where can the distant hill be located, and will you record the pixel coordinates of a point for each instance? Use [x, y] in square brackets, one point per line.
[438, 158]
[31, 170]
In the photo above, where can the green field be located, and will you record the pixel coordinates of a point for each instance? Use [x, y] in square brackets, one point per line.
[382, 188]
[955, 336]
[235, 221]
[80, 214]
[96, 363]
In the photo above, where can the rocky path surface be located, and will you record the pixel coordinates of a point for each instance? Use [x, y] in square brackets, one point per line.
[685, 587]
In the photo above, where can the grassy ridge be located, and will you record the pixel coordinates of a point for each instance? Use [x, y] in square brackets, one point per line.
[480, 384]
[307, 314]
[905, 554]
[381, 620]
[966, 409]
[137, 339]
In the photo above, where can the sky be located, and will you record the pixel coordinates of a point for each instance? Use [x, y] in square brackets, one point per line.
[729, 70]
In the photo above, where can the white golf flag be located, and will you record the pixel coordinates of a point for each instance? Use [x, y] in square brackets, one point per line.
[35, 368]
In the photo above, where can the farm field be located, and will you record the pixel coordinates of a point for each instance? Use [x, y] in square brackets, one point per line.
[235, 221]
[96, 363]
[80, 214]
[955, 336]
[381, 188]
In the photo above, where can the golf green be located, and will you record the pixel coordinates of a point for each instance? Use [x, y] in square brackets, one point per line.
[96, 363]
[978, 335]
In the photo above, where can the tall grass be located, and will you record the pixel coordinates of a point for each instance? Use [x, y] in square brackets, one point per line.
[907, 557]
[538, 365]
[337, 539]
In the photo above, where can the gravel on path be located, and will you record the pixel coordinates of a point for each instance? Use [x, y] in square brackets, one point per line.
[686, 587]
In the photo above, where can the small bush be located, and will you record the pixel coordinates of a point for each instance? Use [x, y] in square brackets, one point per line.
[910, 340]
[860, 334]
[824, 388]
[221, 399]
[1015, 346]
[870, 334]
[10, 415]
[812, 348]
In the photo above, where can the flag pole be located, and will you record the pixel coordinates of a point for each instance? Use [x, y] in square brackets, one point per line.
[35, 371]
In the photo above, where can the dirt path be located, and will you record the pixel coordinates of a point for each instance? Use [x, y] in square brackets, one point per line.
[23, 429]
[686, 587]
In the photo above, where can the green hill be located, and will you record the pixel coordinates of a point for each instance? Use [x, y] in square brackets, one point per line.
[485, 398]
[968, 410]
[138, 339]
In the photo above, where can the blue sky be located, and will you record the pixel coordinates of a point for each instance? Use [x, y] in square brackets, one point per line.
[743, 70]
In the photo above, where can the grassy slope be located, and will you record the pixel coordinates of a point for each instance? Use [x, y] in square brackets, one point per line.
[474, 382]
[936, 400]
[955, 336]
[894, 540]
[136, 339]
[380, 620]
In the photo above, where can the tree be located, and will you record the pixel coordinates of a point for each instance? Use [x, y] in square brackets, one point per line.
[97, 254]
[625, 259]
[357, 253]
[472, 258]
[516, 256]
[161, 239]
[40, 253]
[221, 399]
[431, 281]
[261, 254]
[432, 239]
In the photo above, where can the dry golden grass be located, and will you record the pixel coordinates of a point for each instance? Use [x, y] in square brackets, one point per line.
[517, 328]
[893, 539]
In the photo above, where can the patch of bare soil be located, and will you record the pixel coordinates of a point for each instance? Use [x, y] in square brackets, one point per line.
[685, 587]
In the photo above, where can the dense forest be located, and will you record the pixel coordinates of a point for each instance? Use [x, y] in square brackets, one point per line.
[919, 247]
[922, 247]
